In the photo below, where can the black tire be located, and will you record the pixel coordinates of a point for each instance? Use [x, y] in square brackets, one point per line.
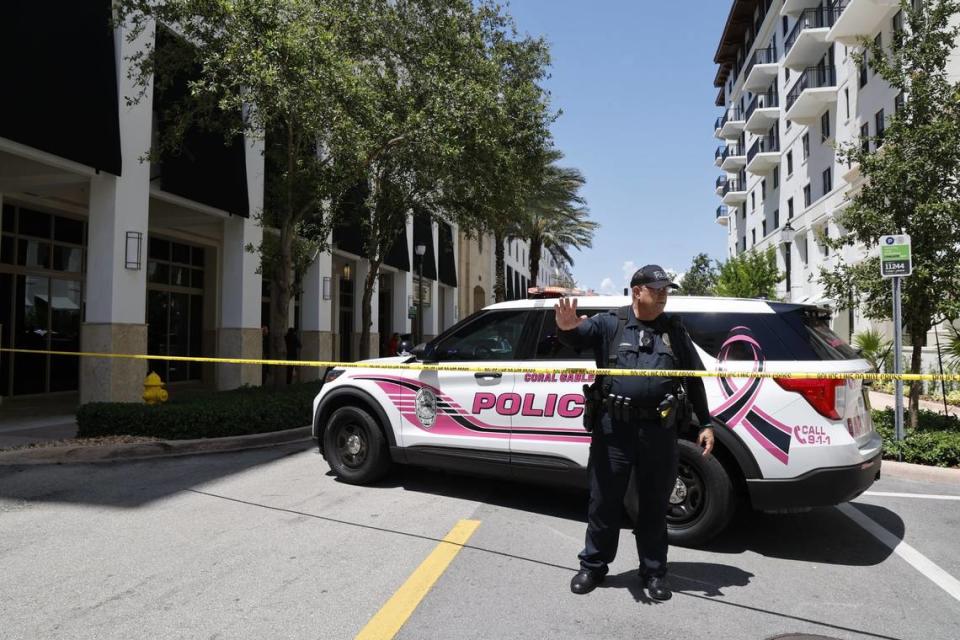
[355, 447]
[705, 506]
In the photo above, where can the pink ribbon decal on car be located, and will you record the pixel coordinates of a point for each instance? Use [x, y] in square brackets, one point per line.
[739, 408]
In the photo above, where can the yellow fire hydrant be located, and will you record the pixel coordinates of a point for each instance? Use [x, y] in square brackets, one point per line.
[153, 391]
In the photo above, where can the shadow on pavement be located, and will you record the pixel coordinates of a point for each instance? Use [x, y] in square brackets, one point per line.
[707, 578]
[129, 484]
[822, 535]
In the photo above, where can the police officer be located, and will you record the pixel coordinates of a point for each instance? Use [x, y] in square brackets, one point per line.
[632, 430]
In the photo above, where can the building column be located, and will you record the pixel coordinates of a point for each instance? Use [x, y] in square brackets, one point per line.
[317, 314]
[115, 290]
[431, 317]
[360, 280]
[239, 335]
[403, 288]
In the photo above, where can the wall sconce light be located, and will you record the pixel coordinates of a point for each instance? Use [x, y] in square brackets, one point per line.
[346, 272]
[327, 285]
[132, 253]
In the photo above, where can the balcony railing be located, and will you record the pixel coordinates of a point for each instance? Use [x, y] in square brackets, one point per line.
[732, 184]
[732, 150]
[722, 211]
[763, 101]
[761, 56]
[818, 18]
[767, 144]
[722, 182]
[732, 115]
[812, 78]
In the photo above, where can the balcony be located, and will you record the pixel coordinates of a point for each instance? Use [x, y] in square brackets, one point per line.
[732, 158]
[856, 18]
[718, 155]
[793, 7]
[734, 193]
[761, 69]
[811, 94]
[763, 112]
[721, 184]
[807, 42]
[729, 125]
[722, 215]
[764, 155]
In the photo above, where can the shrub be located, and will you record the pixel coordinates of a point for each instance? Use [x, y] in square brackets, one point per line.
[241, 411]
[936, 440]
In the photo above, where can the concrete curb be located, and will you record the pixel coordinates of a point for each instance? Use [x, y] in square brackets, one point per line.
[145, 450]
[908, 471]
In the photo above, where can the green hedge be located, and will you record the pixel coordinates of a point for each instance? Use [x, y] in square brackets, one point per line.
[936, 440]
[211, 414]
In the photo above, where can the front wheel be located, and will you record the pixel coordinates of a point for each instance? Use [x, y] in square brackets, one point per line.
[355, 447]
[702, 501]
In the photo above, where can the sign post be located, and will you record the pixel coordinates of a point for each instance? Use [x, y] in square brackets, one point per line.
[896, 263]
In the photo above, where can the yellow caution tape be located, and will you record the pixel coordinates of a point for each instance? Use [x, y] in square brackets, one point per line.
[420, 366]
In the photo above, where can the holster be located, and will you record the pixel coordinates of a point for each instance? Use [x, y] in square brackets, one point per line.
[670, 411]
[592, 403]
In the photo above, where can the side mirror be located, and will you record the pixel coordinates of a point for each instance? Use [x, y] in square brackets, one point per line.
[422, 353]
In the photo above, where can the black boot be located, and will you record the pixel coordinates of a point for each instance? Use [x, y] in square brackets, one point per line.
[657, 587]
[585, 581]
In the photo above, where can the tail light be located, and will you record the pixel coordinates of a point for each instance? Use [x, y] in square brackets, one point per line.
[823, 395]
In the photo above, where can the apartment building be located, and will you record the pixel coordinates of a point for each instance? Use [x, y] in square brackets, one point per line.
[791, 93]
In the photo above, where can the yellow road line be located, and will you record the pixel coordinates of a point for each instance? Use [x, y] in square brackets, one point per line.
[387, 622]
[492, 367]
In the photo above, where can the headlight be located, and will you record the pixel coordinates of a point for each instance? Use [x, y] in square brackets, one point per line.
[332, 375]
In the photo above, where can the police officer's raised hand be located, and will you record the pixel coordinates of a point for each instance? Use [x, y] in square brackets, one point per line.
[705, 440]
[566, 311]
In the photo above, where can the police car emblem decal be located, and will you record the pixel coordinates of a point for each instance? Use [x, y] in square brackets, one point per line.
[426, 407]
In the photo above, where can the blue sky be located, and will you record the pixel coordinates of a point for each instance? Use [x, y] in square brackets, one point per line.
[635, 82]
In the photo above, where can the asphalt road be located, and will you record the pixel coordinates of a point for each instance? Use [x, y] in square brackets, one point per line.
[265, 544]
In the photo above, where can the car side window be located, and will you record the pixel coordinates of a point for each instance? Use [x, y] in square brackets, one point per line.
[549, 346]
[493, 336]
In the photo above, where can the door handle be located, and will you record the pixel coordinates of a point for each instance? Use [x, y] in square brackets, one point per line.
[480, 375]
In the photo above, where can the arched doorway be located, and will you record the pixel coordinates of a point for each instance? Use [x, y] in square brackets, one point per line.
[479, 298]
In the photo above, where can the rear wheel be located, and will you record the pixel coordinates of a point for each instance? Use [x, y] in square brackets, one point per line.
[702, 501]
[355, 447]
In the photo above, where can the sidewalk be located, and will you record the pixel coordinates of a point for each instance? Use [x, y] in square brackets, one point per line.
[29, 420]
[886, 401]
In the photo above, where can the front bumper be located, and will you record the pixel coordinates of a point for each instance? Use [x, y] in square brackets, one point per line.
[818, 488]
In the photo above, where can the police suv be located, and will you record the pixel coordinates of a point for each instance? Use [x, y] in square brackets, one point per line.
[781, 443]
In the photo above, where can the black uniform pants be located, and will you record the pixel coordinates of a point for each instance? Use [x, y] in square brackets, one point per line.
[615, 450]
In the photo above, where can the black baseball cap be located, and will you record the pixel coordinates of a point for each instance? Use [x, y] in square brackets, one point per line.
[653, 276]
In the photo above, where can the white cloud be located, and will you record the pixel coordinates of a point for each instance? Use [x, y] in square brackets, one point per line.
[629, 267]
[607, 287]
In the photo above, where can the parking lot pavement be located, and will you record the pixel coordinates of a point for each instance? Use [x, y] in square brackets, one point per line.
[266, 544]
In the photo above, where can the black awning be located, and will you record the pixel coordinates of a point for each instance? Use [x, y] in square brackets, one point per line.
[399, 254]
[204, 168]
[347, 235]
[423, 234]
[58, 65]
[447, 264]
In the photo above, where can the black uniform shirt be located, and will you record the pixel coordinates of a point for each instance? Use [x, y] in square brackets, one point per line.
[659, 353]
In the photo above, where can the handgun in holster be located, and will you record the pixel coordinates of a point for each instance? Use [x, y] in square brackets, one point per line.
[670, 411]
[593, 398]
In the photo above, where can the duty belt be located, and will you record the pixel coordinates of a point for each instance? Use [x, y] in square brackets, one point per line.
[624, 408]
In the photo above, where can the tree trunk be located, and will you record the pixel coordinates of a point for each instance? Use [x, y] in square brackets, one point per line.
[536, 247]
[916, 338]
[280, 304]
[366, 313]
[499, 290]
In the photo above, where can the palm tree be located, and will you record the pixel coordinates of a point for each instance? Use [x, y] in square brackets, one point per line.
[555, 218]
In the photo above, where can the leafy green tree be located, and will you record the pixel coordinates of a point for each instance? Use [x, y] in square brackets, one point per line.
[911, 182]
[443, 79]
[290, 67]
[753, 274]
[555, 217]
[701, 277]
